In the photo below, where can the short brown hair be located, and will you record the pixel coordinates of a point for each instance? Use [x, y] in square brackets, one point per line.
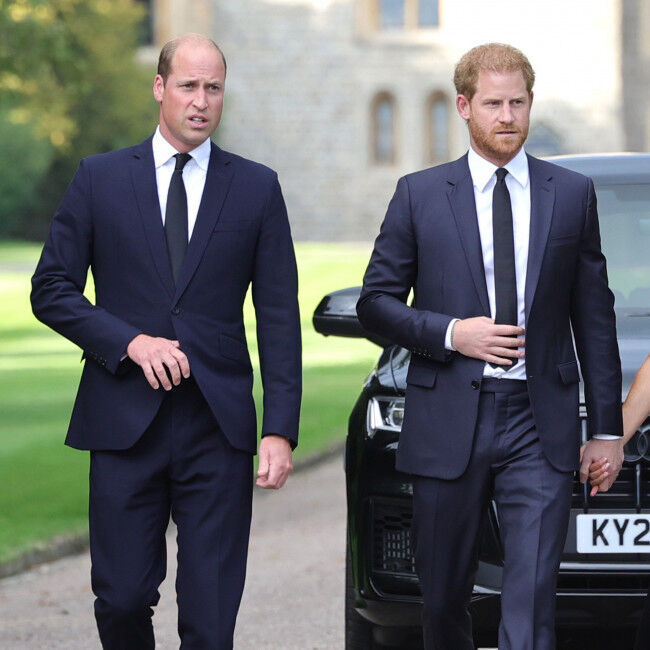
[493, 57]
[169, 49]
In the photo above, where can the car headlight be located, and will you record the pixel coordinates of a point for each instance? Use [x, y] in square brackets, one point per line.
[384, 414]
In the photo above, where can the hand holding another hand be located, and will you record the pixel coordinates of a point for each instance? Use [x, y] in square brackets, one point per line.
[600, 463]
[156, 356]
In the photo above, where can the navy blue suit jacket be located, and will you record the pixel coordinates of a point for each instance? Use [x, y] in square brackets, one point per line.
[429, 242]
[109, 220]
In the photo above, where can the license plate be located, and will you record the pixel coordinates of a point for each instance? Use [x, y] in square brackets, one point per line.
[613, 533]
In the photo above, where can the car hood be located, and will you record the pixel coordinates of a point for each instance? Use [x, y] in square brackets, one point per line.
[633, 330]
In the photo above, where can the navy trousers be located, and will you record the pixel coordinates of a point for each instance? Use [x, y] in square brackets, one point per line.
[533, 501]
[182, 466]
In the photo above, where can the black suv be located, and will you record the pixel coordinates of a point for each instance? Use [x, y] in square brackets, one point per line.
[600, 589]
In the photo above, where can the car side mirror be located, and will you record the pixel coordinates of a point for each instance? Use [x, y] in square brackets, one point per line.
[336, 315]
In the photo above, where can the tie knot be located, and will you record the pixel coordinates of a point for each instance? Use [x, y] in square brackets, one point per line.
[181, 160]
[501, 174]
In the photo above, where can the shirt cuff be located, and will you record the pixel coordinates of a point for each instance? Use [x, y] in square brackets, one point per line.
[450, 327]
[605, 436]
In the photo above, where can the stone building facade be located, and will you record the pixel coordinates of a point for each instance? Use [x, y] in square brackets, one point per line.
[636, 74]
[342, 97]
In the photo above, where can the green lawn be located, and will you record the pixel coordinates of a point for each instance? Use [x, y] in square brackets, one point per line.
[43, 484]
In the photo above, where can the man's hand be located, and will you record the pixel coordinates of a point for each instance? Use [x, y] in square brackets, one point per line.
[480, 338]
[275, 462]
[603, 459]
[154, 354]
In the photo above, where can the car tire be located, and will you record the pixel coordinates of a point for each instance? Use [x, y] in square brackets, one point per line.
[358, 631]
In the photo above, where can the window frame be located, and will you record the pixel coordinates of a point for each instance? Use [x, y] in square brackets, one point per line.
[378, 98]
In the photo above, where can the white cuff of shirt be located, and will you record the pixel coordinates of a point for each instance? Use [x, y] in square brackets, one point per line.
[605, 436]
[448, 345]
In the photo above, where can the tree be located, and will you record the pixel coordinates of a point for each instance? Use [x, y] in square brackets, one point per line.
[69, 75]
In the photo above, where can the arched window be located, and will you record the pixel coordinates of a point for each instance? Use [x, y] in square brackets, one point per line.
[382, 134]
[438, 119]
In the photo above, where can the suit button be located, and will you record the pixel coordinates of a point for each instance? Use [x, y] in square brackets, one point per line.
[476, 384]
[176, 311]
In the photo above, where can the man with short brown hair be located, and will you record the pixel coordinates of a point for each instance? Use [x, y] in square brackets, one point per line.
[502, 251]
[175, 230]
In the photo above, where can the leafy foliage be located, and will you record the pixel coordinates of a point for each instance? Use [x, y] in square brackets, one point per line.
[72, 85]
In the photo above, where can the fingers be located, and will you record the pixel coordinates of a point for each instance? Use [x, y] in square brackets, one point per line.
[263, 469]
[275, 462]
[161, 374]
[162, 361]
[274, 476]
[499, 361]
[606, 484]
[584, 468]
[506, 352]
[508, 330]
[509, 342]
[150, 376]
[598, 469]
[181, 360]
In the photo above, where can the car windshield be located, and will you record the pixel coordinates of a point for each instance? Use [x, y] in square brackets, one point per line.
[624, 215]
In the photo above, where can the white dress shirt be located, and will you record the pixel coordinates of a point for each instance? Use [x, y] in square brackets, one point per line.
[483, 174]
[194, 174]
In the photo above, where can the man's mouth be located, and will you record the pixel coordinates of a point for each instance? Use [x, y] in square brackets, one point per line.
[197, 119]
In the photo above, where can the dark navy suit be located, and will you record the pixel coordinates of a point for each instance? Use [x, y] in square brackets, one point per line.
[190, 450]
[455, 433]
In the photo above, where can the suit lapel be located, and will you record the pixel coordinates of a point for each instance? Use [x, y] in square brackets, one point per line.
[542, 199]
[463, 206]
[217, 184]
[143, 177]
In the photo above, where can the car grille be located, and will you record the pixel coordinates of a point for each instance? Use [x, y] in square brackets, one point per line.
[391, 538]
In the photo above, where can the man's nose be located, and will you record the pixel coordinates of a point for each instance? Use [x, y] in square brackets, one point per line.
[200, 100]
[506, 114]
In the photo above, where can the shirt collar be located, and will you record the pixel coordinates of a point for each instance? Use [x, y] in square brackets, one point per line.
[483, 171]
[163, 151]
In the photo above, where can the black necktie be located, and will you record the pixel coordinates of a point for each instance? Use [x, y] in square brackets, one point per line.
[176, 216]
[505, 278]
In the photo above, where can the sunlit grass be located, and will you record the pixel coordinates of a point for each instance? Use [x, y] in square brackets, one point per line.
[43, 484]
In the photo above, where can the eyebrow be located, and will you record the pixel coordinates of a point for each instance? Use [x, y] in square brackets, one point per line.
[499, 99]
[182, 82]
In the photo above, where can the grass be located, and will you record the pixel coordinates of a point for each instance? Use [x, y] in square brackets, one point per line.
[44, 485]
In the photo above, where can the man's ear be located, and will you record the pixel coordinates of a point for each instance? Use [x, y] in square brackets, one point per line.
[158, 88]
[462, 104]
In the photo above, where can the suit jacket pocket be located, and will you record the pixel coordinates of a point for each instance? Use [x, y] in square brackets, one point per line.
[234, 349]
[569, 372]
[421, 375]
